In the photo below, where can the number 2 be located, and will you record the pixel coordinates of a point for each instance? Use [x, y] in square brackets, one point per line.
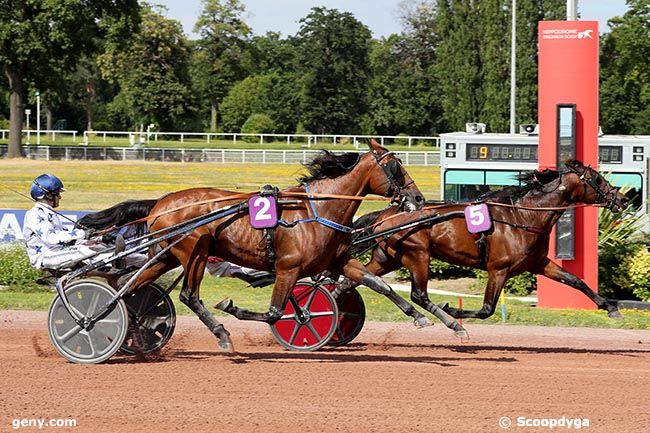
[262, 213]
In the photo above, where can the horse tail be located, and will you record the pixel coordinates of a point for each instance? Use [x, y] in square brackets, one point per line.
[118, 215]
[363, 227]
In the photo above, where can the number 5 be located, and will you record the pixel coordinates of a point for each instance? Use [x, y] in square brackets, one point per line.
[476, 216]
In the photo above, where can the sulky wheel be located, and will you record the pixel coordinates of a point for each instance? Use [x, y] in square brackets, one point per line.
[100, 339]
[352, 316]
[310, 318]
[152, 319]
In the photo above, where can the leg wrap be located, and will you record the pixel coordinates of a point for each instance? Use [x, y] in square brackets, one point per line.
[342, 287]
[274, 315]
[376, 284]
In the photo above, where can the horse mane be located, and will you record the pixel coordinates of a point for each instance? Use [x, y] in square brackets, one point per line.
[531, 181]
[328, 165]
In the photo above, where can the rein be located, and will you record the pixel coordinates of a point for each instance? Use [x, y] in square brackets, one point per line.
[543, 209]
[246, 195]
[491, 203]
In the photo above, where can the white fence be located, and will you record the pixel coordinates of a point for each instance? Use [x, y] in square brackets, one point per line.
[308, 140]
[223, 156]
[4, 134]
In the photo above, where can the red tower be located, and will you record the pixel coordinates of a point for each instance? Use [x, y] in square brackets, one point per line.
[568, 76]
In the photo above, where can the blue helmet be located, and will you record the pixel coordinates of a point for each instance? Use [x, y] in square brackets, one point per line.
[45, 184]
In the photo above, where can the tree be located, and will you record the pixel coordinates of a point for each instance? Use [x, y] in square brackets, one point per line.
[457, 66]
[274, 94]
[401, 97]
[404, 96]
[42, 39]
[625, 72]
[270, 53]
[152, 74]
[334, 64]
[495, 65]
[218, 61]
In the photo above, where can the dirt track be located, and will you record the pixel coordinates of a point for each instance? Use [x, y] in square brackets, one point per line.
[393, 378]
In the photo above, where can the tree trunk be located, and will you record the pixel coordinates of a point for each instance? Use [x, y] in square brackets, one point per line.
[90, 90]
[16, 113]
[48, 118]
[213, 115]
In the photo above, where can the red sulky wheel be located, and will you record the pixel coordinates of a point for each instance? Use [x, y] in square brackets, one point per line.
[310, 318]
[352, 316]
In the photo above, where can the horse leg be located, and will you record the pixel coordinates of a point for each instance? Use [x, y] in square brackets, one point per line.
[377, 266]
[284, 283]
[355, 271]
[419, 280]
[194, 269]
[496, 282]
[555, 272]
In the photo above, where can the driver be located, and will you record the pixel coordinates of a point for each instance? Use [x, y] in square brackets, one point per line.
[49, 243]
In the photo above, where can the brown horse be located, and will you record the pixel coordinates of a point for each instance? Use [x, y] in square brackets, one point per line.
[517, 242]
[313, 236]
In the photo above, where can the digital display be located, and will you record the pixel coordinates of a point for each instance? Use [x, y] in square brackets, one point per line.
[610, 154]
[501, 152]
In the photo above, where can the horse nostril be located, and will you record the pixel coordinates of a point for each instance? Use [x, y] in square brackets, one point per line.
[419, 198]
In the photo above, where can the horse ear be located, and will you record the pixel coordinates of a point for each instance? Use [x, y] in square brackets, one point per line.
[573, 163]
[373, 145]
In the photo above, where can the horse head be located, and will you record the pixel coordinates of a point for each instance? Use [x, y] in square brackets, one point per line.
[389, 178]
[595, 188]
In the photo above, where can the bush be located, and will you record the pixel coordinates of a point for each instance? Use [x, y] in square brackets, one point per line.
[257, 123]
[618, 239]
[439, 270]
[15, 271]
[301, 130]
[402, 139]
[520, 285]
[634, 273]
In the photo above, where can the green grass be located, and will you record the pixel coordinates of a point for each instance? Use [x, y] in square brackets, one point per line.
[95, 185]
[378, 308]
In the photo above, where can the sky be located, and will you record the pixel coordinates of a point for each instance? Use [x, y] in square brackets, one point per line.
[381, 16]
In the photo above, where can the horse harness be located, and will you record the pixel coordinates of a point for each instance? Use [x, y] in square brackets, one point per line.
[394, 177]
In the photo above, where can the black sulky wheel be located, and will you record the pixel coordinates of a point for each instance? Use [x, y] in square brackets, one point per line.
[152, 319]
[98, 341]
[310, 318]
[352, 316]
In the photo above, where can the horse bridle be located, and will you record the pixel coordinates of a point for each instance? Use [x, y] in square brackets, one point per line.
[608, 197]
[392, 170]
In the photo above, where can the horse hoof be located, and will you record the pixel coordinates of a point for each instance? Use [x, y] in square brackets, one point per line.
[615, 314]
[224, 305]
[462, 334]
[225, 344]
[423, 322]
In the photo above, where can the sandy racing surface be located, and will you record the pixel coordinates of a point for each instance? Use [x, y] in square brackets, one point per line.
[393, 378]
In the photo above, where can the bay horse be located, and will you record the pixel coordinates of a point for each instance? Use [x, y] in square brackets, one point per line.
[518, 241]
[314, 236]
